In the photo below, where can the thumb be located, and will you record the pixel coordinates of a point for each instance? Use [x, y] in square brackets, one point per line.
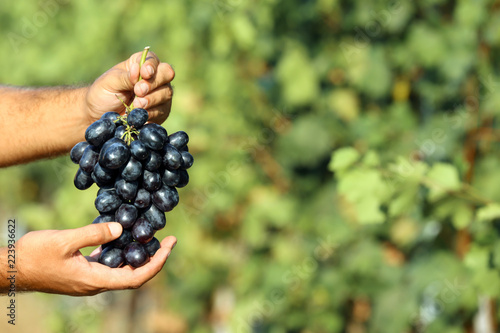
[118, 79]
[93, 234]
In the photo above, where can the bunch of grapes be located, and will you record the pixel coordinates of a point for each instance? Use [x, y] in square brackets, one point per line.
[137, 167]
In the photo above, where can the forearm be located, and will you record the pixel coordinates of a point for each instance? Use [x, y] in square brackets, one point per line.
[8, 274]
[40, 123]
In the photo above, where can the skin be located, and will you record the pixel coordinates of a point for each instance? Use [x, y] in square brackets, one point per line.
[47, 122]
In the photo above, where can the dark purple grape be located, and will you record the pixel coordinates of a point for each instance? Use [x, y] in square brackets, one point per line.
[139, 150]
[185, 148]
[151, 181]
[151, 137]
[103, 218]
[142, 231]
[187, 160]
[107, 202]
[132, 170]
[112, 257]
[172, 159]
[77, 151]
[120, 132]
[137, 117]
[178, 139]
[106, 245]
[135, 254]
[184, 178]
[82, 180]
[99, 131]
[116, 155]
[171, 177]
[154, 161]
[155, 216]
[124, 239]
[126, 215]
[106, 188]
[152, 246]
[104, 175]
[142, 199]
[166, 198]
[113, 116]
[89, 158]
[97, 181]
[162, 131]
[108, 143]
[126, 190]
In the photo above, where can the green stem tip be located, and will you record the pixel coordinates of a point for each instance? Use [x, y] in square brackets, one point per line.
[143, 60]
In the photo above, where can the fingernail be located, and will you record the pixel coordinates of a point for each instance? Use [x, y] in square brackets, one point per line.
[144, 88]
[115, 229]
[140, 102]
[150, 70]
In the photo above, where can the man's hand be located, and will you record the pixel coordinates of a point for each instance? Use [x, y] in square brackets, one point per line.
[50, 261]
[46, 122]
[153, 92]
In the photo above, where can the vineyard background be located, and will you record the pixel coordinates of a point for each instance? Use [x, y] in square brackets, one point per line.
[346, 162]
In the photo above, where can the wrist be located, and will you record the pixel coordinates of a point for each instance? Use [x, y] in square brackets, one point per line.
[4, 283]
[70, 125]
[9, 274]
[84, 108]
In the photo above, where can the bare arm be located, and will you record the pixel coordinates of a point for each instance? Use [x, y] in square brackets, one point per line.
[46, 122]
[50, 261]
[39, 123]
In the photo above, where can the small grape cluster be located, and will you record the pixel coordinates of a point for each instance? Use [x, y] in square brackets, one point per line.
[137, 167]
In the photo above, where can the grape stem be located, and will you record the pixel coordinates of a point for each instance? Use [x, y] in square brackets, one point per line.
[143, 60]
[144, 55]
[130, 130]
[128, 108]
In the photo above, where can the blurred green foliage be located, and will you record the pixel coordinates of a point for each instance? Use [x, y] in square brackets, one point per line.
[277, 234]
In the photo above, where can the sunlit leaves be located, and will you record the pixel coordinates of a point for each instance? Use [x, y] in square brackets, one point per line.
[366, 190]
[297, 76]
[488, 212]
[443, 178]
[343, 158]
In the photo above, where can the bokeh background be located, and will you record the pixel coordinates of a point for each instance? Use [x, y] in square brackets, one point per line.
[346, 162]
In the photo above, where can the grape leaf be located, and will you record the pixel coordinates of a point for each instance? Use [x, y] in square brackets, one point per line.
[488, 212]
[343, 158]
[444, 178]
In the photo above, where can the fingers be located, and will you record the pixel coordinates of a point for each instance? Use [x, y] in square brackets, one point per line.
[91, 235]
[96, 253]
[150, 66]
[127, 72]
[133, 74]
[159, 96]
[128, 277]
[164, 75]
[148, 69]
[160, 113]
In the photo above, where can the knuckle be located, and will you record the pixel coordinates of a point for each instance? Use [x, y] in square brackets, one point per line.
[169, 92]
[171, 71]
[167, 72]
[152, 55]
